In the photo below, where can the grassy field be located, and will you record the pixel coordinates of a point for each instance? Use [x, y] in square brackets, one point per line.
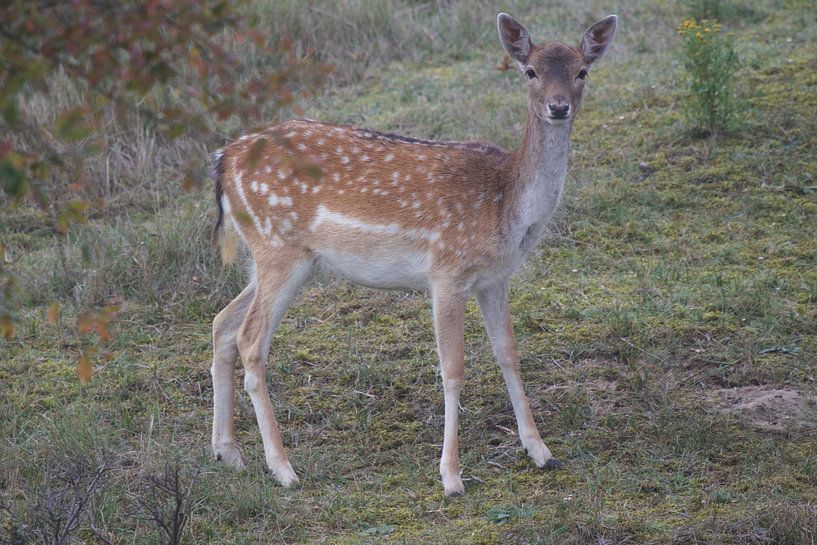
[668, 327]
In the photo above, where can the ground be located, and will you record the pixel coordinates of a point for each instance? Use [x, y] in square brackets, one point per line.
[667, 329]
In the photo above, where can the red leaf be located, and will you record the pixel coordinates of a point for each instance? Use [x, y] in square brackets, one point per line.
[84, 368]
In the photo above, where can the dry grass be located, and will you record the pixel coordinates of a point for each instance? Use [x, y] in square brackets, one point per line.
[662, 284]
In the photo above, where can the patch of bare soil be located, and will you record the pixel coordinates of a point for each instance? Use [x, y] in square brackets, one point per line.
[766, 407]
[602, 395]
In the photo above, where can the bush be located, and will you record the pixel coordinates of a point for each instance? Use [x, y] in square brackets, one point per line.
[711, 62]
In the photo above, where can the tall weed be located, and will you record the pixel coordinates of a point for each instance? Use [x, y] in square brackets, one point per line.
[711, 63]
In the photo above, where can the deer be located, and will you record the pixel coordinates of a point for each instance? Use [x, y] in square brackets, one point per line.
[393, 212]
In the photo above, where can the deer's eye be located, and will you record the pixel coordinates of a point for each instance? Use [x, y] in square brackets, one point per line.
[530, 73]
[582, 74]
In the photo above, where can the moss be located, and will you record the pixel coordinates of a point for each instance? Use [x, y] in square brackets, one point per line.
[656, 287]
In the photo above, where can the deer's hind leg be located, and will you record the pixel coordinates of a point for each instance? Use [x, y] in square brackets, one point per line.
[278, 280]
[225, 352]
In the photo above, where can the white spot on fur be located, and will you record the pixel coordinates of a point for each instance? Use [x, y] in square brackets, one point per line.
[254, 186]
[275, 200]
[389, 158]
[302, 146]
[324, 215]
[240, 189]
[344, 160]
[264, 188]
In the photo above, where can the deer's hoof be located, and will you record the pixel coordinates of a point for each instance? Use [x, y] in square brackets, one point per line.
[553, 464]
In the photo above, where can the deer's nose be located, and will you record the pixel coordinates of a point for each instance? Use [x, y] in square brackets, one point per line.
[559, 108]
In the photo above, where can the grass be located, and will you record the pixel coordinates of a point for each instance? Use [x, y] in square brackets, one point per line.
[678, 268]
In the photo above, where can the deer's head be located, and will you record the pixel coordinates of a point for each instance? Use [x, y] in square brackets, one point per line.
[555, 72]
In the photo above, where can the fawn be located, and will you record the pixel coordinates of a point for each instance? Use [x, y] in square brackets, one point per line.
[389, 211]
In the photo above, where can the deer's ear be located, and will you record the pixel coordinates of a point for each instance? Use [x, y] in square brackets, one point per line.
[598, 38]
[514, 37]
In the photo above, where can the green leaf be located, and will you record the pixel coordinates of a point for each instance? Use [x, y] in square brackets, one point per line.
[9, 111]
[382, 530]
[13, 178]
[506, 513]
[71, 125]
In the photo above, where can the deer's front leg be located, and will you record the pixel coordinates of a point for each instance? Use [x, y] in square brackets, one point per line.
[493, 301]
[449, 315]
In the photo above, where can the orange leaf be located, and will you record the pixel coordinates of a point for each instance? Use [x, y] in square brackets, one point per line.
[7, 327]
[53, 313]
[85, 323]
[84, 368]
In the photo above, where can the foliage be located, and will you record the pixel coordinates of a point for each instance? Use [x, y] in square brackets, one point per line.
[168, 500]
[707, 9]
[711, 63]
[167, 67]
[681, 275]
[62, 503]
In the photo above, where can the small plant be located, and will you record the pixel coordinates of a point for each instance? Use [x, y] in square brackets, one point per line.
[711, 62]
[167, 500]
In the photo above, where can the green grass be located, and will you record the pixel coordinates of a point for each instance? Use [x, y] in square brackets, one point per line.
[660, 286]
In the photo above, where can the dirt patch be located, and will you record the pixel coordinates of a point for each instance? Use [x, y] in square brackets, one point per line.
[774, 409]
[601, 394]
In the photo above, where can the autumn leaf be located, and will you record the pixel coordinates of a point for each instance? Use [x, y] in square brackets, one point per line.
[84, 368]
[72, 126]
[7, 327]
[53, 313]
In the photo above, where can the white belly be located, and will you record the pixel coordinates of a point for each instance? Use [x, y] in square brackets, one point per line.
[379, 268]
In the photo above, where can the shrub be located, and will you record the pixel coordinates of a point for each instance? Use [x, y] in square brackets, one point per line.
[711, 62]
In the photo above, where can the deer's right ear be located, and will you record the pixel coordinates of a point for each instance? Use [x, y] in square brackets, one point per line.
[514, 37]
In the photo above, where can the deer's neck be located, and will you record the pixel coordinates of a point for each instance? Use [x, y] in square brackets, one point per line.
[538, 176]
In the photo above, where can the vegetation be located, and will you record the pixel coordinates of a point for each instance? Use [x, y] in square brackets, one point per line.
[668, 328]
[710, 60]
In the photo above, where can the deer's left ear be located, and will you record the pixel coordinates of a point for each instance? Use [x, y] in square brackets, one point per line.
[598, 38]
